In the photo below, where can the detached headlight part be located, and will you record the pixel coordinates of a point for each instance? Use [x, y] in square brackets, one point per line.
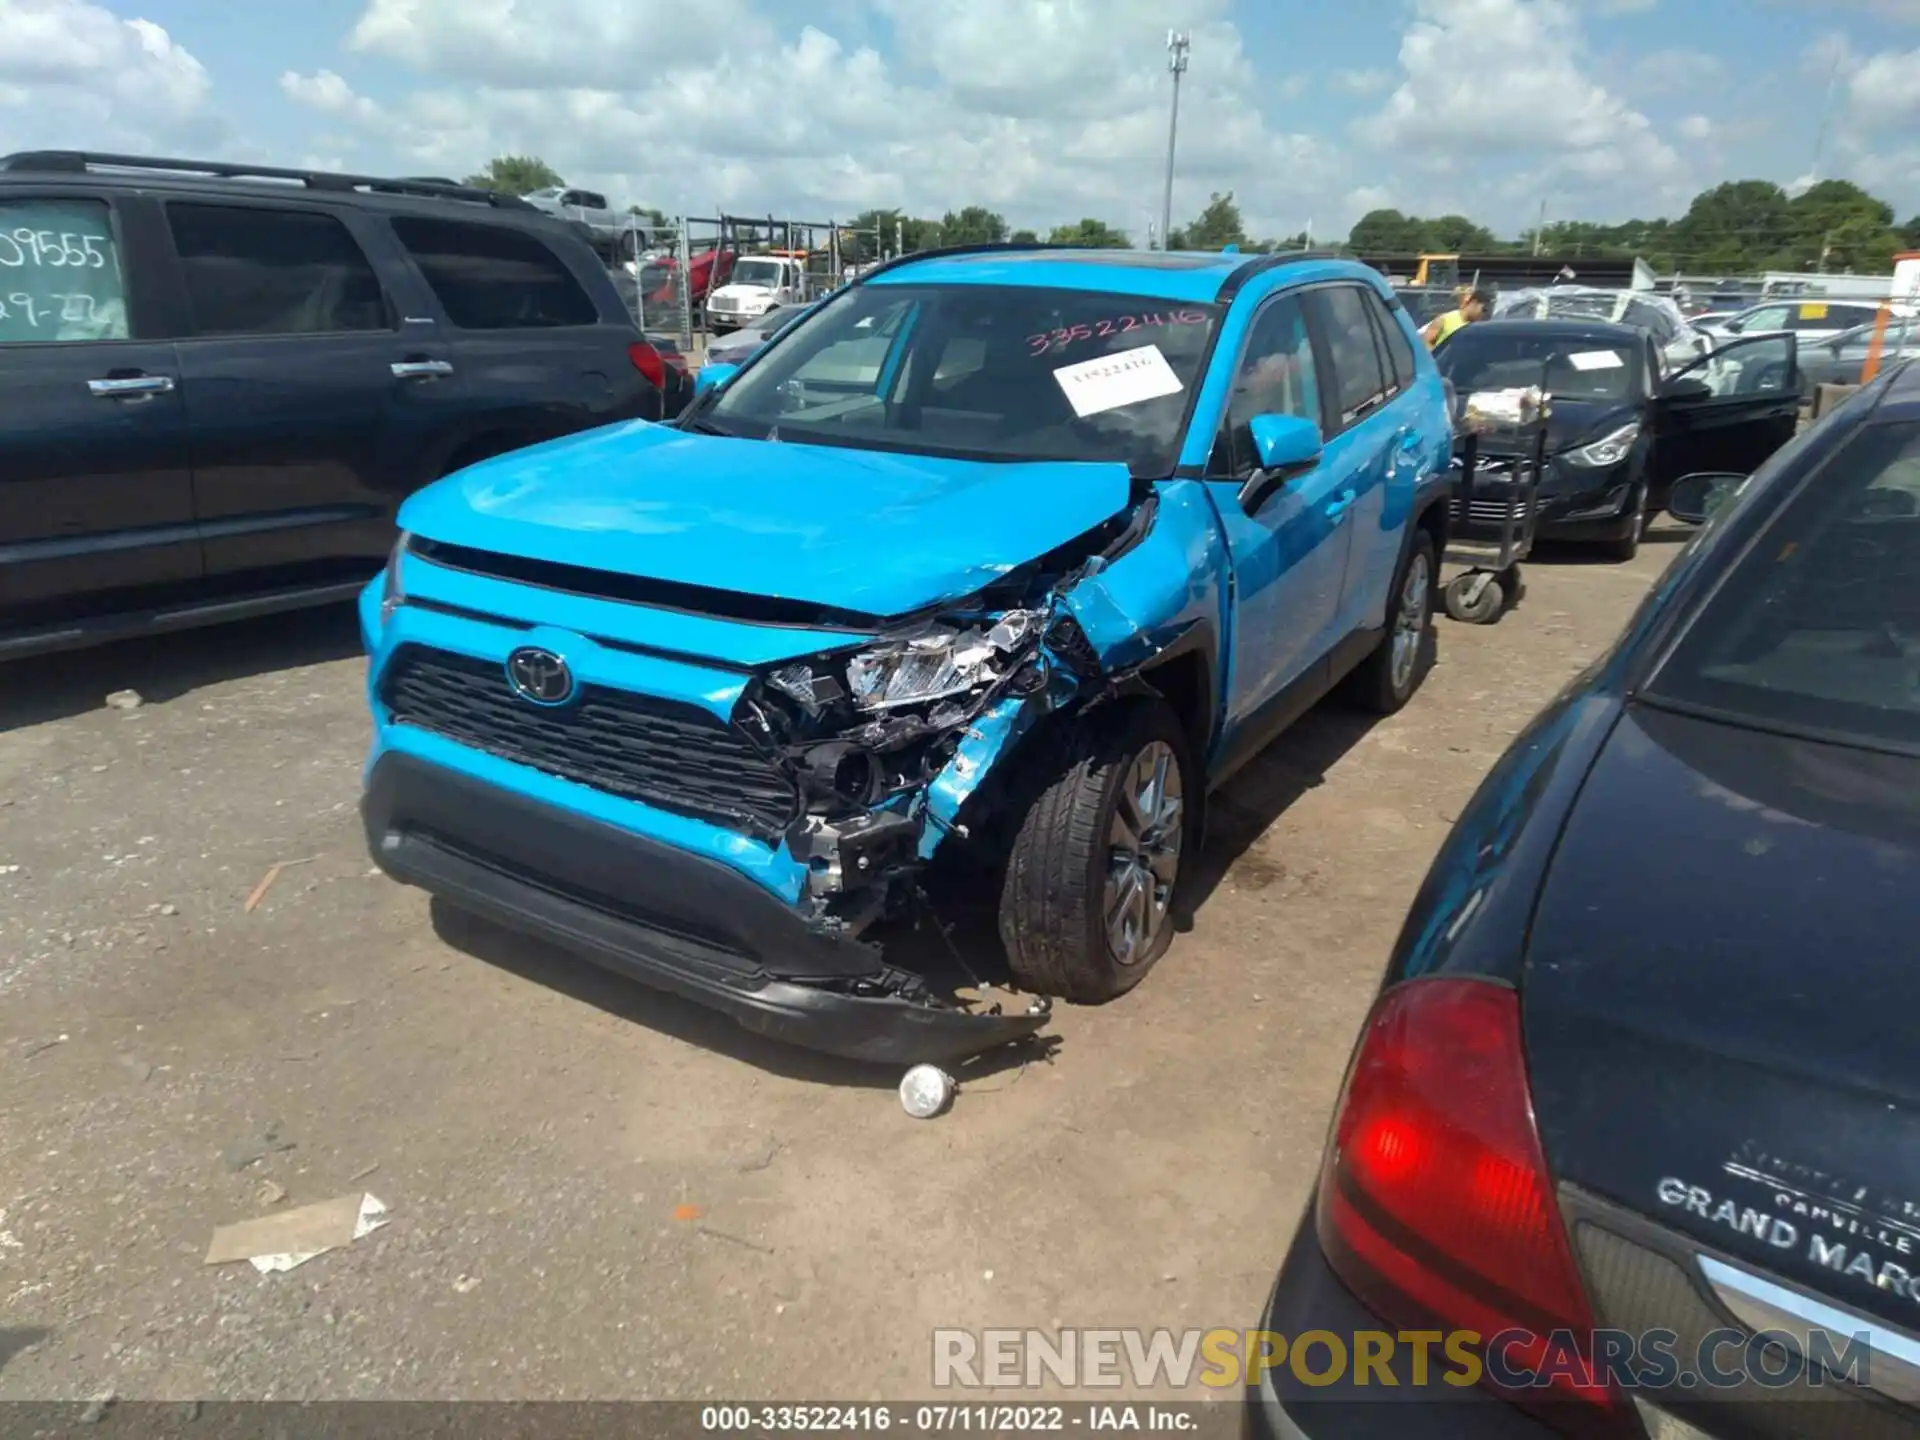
[392, 596]
[1608, 449]
[938, 664]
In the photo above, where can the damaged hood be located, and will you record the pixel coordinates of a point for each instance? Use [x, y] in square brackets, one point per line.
[858, 530]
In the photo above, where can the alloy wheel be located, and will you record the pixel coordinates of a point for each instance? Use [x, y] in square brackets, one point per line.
[1143, 853]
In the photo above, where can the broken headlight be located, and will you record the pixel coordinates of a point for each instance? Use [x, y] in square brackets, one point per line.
[937, 664]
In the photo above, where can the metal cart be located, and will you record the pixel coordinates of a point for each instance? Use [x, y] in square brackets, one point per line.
[1495, 501]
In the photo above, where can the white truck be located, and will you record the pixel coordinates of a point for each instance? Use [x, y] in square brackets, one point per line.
[623, 236]
[758, 285]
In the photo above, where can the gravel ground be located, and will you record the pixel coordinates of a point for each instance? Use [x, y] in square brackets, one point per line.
[596, 1191]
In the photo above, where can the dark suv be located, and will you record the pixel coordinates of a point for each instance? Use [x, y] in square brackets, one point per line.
[218, 382]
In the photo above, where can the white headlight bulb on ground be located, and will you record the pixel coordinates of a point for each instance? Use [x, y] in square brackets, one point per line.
[925, 1091]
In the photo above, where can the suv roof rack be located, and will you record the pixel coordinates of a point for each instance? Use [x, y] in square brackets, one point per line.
[79, 162]
[947, 252]
[1271, 261]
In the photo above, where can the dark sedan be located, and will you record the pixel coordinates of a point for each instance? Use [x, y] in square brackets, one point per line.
[1643, 1057]
[1619, 433]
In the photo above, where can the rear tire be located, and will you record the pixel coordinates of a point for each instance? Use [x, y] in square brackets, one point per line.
[1387, 679]
[1087, 896]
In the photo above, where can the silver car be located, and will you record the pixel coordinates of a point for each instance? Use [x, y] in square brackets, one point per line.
[734, 348]
[1810, 320]
[1839, 359]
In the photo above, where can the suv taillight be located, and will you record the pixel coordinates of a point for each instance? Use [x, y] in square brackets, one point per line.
[1435, 1202]
[647, 361]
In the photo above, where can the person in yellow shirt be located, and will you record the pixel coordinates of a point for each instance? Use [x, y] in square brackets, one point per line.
[1474, 305]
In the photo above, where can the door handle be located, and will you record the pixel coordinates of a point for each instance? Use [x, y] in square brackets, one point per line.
[1337, 508]
[421, 369]
[1409, 442]
[116, 386]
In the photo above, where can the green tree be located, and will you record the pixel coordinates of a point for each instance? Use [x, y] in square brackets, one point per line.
[1735, 226]
[516, 175]
[1385, 232]
[1910, 234]
[1216, 227]
[1090, 234]
[975, 225]
[1024, 237]
[1455, 235]
[1838, 226]
[656, 218]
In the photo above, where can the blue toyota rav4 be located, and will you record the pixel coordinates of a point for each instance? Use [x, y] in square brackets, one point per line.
[1014, 550]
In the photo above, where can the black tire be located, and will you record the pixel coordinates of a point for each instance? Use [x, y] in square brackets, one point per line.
[1627, 546]
[1379, 683]
[1483, 610]
[1054, 890]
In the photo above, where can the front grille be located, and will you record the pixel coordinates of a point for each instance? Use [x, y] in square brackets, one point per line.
[672, 756]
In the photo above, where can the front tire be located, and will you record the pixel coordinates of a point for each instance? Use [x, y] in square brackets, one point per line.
[1087, 898]
[1627, 546]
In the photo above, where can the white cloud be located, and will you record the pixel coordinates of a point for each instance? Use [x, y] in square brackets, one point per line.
[1534, 103]
[1885, 90]
[986, 103]
[74, 74]
[1696, 127]
[329, 94]
[1363, 82]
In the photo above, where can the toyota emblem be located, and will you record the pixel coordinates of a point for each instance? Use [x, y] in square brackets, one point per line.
[540, 676]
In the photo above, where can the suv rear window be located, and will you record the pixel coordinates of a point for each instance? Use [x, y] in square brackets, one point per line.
[488, 277]
[252, 271]
[59, 273]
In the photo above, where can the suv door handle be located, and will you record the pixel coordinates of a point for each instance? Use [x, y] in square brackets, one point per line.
[1337, 508]
[1409, 441]
[421, 369]
[115, 386]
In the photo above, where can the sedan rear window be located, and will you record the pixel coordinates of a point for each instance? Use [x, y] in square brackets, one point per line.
[1817, 628]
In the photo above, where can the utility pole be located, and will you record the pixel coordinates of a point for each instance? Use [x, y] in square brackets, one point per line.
[1540, 230]
[1178, 42]
[1826, 118]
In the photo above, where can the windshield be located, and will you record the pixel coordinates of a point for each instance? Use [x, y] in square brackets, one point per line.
[757, 272]
[981, 372]
[1570, 368]
[1817, 628]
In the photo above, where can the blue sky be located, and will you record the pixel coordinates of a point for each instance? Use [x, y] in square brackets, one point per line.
[1047, 110]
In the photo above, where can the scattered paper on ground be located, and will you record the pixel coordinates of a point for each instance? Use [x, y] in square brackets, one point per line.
[1110, 381]
[293, 1237]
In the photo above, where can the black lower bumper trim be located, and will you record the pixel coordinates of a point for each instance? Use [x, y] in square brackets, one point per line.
[675, 921]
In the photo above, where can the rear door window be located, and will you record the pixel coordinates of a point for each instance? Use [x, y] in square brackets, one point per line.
[1396, 349]
[488, 277]
[60, 275]
[256, 271]
[1359, 382]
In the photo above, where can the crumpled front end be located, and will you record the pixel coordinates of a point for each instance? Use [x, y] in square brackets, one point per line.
[728, 809]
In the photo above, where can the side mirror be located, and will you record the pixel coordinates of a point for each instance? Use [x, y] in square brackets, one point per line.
[1697, 496]
[1284, 446]
[1733, 327]
[712, 377]
[1688, 388]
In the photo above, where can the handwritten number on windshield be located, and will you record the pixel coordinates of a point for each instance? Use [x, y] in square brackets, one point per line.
[1103, 329]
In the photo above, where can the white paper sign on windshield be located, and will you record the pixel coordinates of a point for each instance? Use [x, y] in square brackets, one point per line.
[1111, 381]
[1596, 360]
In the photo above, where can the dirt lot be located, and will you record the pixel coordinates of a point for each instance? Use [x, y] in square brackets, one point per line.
[537, 1125]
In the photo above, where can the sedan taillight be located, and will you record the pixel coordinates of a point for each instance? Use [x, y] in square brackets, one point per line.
[1435, 1203]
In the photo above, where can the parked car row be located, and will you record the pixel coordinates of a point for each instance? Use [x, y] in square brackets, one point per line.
[221, 381]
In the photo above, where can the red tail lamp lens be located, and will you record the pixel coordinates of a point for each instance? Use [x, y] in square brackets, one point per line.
[1436, 1206]
[647, 361]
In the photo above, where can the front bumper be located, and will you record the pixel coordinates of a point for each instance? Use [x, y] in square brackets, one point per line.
[1574, 504]
[671, 919]
[1309, 1296]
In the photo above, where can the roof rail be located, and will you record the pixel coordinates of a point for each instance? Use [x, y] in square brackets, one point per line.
[1260, 264]
[79, 162]
[948, 252]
